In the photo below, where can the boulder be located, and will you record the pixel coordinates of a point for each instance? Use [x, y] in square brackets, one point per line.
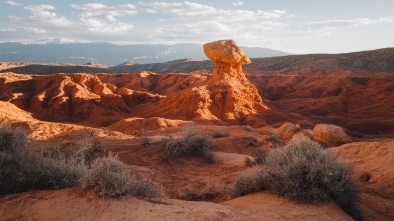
[330, 135]
[286, 131]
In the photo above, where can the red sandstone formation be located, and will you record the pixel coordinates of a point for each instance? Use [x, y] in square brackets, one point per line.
[227, 96]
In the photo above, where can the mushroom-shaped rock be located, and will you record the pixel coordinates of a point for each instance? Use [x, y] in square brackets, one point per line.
[228, 58]
[226, 96]
[225, 51]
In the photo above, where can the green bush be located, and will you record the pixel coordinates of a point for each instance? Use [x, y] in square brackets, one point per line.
[192, 143]
[302, 171]
[108, 177]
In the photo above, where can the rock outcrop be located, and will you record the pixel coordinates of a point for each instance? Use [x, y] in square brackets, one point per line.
[287, 131]
[70, 97]
[73, 97]
[227, 95]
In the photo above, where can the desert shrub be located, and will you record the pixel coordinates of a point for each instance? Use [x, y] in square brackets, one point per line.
[249, 162]
[275, 139]
[302, 171]
[192, 143]
[24, 167]
[89, 151]
[261, 154]
[220, 134]
[108, 177]
[248, 128]
[11, 138]
[202, 195]
[250, 141]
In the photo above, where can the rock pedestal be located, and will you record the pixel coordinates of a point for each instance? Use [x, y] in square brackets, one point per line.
[226, 96]
[228, 58]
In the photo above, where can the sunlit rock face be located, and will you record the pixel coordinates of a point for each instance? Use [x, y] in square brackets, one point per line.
[228, 58]
[226, 95]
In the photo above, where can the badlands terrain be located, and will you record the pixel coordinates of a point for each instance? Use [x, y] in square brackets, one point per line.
[261, 105]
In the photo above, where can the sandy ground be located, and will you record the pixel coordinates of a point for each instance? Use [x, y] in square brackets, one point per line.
[70, 204]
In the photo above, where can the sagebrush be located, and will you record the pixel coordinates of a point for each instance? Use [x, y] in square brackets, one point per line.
[251, 141]
[194, 143]
[25, 166]
[108, 177]
[220, 134]
[302, 171]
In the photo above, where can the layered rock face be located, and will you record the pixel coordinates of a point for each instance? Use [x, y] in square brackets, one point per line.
[226, 96]
[73, 97]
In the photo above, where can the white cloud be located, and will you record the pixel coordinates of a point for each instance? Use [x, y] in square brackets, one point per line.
[99, 18]
[14, 19]
[43, 15]
[12, 3]
[237, 3]
[386, 19]
[340, 23]
[271, 14]
[104, 12]
[8, 30]
[99, 26]
[34, 30]
[198, 12]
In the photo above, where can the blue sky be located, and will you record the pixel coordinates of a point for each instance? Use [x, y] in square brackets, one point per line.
[302, 26]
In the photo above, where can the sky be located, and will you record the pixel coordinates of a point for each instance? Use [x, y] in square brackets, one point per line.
[293, 26]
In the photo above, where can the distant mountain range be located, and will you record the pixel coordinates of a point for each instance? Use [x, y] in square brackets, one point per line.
[111, 54]
[380, 60]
